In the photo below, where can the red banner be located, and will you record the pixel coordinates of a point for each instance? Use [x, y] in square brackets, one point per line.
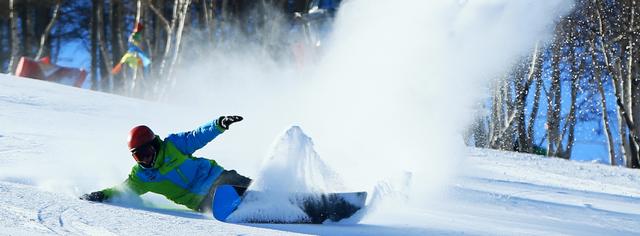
[44, 70]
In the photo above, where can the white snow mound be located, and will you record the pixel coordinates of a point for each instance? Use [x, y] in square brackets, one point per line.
[293, 167]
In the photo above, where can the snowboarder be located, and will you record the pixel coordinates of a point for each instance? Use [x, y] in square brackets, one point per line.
[167, 167]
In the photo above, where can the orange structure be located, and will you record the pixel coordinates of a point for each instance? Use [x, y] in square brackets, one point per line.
[44, 70]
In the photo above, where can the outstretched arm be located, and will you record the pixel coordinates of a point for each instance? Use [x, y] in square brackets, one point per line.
[103, 195]
[189, 142]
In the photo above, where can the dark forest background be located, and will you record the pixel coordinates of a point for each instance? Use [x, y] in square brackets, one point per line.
[44, 28]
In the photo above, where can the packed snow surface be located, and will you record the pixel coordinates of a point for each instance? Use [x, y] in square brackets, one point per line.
[57, 142]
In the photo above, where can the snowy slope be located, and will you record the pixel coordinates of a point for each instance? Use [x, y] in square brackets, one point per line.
[57, 142]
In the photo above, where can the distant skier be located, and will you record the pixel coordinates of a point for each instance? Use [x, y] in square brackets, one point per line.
[167, 167]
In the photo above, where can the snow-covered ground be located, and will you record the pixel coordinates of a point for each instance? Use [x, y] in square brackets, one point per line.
[57, 142]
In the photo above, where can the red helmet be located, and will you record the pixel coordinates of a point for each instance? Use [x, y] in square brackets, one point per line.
[138, 136]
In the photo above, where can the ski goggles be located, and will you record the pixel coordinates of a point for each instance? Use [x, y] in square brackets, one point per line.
[144, 153]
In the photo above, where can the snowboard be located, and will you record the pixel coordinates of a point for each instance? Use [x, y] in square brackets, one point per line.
[318, 207]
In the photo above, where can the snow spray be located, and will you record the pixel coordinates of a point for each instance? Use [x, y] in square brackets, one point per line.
[389, 95]
[396, 86]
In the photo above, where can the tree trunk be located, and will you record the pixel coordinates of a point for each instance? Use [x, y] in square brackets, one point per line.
[553, 101]
[496, 115]
[169, 27]
[571, 119]
[575, 71]
[56, 51]
[204, 16]
[224, 19]
[5, 44]
[624, 85]
[537, 74]
[25, 10]
[183, 8]
[634, 101]
[43, 13]
[208, 22]
[213, 24]
[157, 32]
[505, 111]
[115, 16]
[524, 140]
[94, 45]
[605, 123]
[635, 163]
[138, 18]
[15, 41]
[47, 30]
[605, 117]
[105, 78]
[621, 86]
[633, 90]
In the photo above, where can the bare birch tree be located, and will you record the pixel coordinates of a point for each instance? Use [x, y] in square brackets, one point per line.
[553, 102]
[47, 31]
[182, 9]
[597, 74]
[15, 41]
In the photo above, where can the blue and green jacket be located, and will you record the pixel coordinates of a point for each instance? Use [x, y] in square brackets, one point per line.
[176, 174]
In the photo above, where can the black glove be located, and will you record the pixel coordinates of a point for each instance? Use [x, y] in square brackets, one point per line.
[94, 197]
[225, 121]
